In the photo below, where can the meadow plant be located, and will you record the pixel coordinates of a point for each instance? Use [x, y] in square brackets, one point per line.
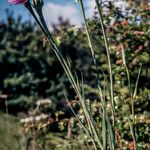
[107, 137]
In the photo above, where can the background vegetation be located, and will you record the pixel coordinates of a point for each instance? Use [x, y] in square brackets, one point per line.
[30, 72]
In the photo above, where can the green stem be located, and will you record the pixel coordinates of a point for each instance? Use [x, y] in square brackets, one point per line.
[64, 64]
[29, 7]
[90, 41]
[109, 60]
[95, 63]
[41, 17]
[133, 95]
[83, 104]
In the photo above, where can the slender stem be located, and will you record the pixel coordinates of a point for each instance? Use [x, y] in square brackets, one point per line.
[41, 17]
[132, 126]
[133, 98]
[28, 6]
[126, 68]
[137, 82]
[87, 132]
[64, 64]
[90, 41]
[109, 59]
[95, 63]
[78, 91]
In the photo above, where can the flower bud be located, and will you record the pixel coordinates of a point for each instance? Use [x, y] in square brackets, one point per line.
[37, 3]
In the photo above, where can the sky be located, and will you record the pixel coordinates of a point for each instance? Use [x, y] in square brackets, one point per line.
[53, 9]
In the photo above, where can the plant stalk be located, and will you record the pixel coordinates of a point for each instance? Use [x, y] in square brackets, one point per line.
[109, 59]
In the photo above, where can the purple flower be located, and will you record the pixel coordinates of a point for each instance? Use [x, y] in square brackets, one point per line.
[17, 1]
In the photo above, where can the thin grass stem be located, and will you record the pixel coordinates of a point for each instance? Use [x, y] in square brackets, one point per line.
[70, 76]
[90, 41]
[109, 59]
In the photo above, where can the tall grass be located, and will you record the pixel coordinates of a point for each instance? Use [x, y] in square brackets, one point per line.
[108, 57]
[91, 126]
[104, 139]
[133, 94]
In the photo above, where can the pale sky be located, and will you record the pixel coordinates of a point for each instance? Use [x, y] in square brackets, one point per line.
[68, 9]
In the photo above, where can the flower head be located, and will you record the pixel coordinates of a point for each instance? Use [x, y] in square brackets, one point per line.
[17, 1]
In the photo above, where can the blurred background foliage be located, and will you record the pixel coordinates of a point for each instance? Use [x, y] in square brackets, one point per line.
[29, 70]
